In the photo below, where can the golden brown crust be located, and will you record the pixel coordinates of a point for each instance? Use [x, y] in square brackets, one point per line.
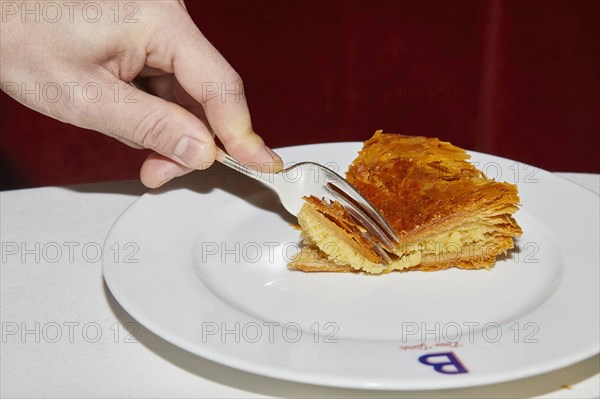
[426, 190]
[418, 183]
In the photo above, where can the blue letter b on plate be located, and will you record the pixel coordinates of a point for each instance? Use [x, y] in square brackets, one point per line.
[444, 362]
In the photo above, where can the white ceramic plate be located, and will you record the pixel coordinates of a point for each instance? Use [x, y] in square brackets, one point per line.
[205, 268]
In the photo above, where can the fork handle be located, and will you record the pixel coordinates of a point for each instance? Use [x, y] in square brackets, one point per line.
[227, 160]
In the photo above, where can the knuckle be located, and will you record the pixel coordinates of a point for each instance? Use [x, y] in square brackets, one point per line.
[57, 111]
[243, 138]
[231, 76]
[228, 87]
[233, 81]
[153, 131]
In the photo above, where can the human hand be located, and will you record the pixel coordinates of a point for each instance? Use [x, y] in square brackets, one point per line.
[75, 62]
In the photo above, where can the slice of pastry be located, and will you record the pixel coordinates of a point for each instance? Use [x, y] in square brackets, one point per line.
[445, 212]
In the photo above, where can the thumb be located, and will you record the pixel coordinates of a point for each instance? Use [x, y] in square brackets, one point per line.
[153, 123]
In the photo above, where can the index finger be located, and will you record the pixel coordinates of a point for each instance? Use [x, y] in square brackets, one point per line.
[209, 79]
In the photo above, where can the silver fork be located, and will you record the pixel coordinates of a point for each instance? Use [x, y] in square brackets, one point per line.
[309, 178]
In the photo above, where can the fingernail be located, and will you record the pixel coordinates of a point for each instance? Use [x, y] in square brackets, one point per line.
[165, 178]
[273, 154]
[190, 152]
[276, 163]
[160, 176]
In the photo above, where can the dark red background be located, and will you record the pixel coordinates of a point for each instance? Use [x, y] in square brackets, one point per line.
[518, 79]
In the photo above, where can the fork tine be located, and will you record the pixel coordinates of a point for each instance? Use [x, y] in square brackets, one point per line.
[361, 209]
[371, 228]
[385, 257]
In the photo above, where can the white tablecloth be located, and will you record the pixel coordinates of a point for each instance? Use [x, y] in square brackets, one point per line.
[63, 334]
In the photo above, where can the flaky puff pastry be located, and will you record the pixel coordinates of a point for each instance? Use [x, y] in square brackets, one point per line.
[445, 212]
